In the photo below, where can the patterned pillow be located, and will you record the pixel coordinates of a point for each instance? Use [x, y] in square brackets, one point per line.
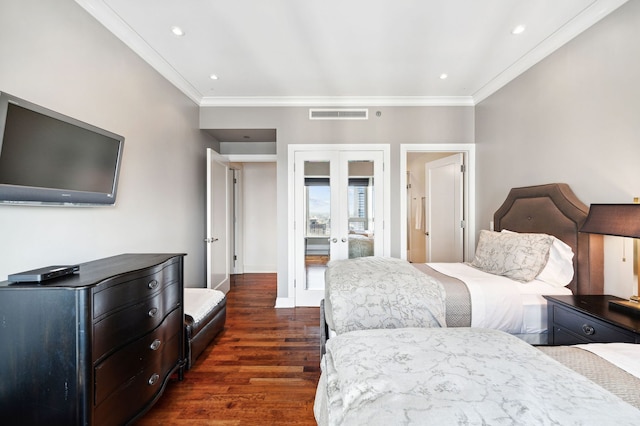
[520, 257]
[558, 271]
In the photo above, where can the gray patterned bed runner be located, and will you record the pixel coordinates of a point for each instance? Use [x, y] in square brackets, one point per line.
[458, 299]
[612, 378]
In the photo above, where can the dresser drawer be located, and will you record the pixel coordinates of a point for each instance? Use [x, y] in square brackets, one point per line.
[128, 324]
[125, 401]
[586, 328]
[135, 289]
[128, 362]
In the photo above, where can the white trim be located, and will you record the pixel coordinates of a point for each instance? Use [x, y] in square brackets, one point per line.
[114, 23]
[237, 222]
[335, 101]
[469, 151]
[285, 302]
[251, 158]
[292, 148]
[588, 17]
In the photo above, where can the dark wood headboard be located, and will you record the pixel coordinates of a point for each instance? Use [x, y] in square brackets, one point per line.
[555, 210]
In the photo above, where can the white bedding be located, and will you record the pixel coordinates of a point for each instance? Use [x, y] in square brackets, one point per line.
[497, 302]
[448, 376]
[501, 303]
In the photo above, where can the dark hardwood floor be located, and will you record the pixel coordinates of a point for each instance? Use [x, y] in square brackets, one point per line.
[262, 369]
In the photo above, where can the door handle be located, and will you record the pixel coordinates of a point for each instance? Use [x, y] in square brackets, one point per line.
[334, 240]
[210, 240]
[344, 240]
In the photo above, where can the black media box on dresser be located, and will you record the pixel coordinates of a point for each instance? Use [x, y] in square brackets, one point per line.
[93, 348]
[590, 319]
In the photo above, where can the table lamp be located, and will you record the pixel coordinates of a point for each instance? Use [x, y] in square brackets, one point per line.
[622, 220]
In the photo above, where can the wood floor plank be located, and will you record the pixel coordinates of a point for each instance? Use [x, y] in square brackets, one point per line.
[262, 369]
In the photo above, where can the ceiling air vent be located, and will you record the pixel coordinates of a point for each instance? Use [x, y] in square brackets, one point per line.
[338, 114]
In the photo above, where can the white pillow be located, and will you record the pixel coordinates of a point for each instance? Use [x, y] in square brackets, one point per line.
[559, 268]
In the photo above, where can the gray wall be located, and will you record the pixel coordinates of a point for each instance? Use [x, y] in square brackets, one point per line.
[573, 118]
[54, 54]
[395, 126]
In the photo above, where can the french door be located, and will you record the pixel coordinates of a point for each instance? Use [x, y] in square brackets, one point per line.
[339, 213]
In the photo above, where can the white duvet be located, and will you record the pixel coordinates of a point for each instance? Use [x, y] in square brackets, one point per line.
[501, 303]
[455, 376]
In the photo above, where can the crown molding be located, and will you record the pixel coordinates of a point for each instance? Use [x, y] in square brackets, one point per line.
[112, 21]
[336, 101]
[588, 17]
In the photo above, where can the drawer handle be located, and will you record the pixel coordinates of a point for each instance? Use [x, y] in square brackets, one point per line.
[153, 379]
[152, 284]
[153, 312]
[588, 330]
[155, 345]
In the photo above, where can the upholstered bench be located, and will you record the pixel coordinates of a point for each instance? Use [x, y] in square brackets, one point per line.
[205, 312]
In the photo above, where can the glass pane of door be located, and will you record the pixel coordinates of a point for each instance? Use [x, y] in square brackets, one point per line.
[360, 208]
[317, 190]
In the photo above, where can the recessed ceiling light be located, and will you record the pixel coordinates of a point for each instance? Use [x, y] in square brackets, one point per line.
[518, 30]
[213, 77]
[443, 76]
[177, 31]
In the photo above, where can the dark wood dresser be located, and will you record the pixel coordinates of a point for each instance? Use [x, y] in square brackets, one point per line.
[93, 348]
[589, 319]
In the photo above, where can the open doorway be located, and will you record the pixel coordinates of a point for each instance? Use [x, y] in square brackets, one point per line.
[414, 202]
[253, 239]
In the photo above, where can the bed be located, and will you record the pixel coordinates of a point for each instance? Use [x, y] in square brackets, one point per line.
[474, 376]
[360, 244]
[370, 292]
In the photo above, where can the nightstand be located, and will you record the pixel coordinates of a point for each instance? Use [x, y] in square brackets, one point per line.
[588, 319]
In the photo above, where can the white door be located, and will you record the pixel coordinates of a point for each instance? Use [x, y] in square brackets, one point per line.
[218, 221]
[444, 209]
[339, 213]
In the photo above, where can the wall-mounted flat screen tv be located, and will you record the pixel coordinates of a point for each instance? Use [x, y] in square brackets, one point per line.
[51, 159]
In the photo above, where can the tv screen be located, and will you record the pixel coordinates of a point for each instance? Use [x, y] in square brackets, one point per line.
[49, 158]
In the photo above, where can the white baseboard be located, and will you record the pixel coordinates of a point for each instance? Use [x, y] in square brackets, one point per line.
[224, 287]
[285, 302]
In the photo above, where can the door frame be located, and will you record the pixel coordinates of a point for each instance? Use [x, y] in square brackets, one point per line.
[236, 163]
[236, 258]
[469, 153]
[386, 184]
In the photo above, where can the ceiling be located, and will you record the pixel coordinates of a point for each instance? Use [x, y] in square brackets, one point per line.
[344, 52]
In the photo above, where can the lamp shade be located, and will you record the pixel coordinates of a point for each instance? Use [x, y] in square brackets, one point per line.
[622, 220]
